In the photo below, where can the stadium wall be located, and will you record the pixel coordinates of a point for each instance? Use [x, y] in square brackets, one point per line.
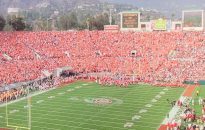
[201, 82]
[147, 26]
[174, 24]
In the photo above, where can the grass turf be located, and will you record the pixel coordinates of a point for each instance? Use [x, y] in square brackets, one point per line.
[68, 110]
[197, 107]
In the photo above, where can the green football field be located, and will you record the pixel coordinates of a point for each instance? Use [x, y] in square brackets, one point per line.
[88, 106]
[196, 106]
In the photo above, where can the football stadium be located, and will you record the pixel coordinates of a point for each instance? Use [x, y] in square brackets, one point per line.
[126, 77]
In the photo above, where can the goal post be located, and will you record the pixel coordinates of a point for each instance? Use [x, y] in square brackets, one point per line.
[16, 127]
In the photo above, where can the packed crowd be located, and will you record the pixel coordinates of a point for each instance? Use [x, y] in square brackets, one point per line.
[32, 87]
[152, 56]
[117, 80]
[11, 95]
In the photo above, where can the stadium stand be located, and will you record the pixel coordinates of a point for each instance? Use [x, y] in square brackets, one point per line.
[160, 57]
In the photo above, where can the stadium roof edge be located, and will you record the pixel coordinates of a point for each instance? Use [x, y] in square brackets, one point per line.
[130, 11]
[193, 10]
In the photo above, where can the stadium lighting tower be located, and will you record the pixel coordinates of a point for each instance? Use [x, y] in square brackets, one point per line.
[110, 18]
[88, 23]
[48, 19]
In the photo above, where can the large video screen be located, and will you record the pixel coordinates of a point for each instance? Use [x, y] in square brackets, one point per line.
[160, 24]
[130, 20]
[193, 19]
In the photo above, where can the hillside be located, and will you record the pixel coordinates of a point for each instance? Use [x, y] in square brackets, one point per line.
[33, 4]
[167, 7]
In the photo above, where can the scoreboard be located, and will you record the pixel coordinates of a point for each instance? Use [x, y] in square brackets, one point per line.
[193, 20]
[130, 20]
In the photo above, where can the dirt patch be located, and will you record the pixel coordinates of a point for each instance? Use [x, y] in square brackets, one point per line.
[162, 127]
[189, 91]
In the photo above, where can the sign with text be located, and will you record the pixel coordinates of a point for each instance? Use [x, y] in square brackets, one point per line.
[111, 28]
[130, 20]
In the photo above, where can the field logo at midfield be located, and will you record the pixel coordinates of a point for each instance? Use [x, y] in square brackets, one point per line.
[103, 101]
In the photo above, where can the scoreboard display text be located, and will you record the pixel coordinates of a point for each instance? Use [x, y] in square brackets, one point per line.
[130, 20]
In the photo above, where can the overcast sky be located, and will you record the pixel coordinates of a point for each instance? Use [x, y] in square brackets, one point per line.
[165, 6]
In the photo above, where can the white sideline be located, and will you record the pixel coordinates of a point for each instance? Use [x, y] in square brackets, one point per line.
[173, 112]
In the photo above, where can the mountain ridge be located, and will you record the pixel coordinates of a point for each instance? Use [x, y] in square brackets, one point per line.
[167, 7]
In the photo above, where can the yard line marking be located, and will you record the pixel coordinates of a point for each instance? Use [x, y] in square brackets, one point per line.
[141, 95]
[148, 105]
[104, 121]
[60, 107]
[40, 101]
[136, 117]
[61, 93]
[27, 106]
[74, 98]
[77, 87]
[166, 89]
[154, 100]
[142, 111]
[128, 125]
[70, 90]
[44, 128]
[79, 111]
[162, 93]
[51, 97]
[79, 114]
[65, 124]
[13, 111]
[158, 97]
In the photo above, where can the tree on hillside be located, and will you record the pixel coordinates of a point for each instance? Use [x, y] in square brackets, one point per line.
[2, 23]
[68, 21]
[99, 21]
[28, 27]
[17, 23]
[63, 22]
[73, 20]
